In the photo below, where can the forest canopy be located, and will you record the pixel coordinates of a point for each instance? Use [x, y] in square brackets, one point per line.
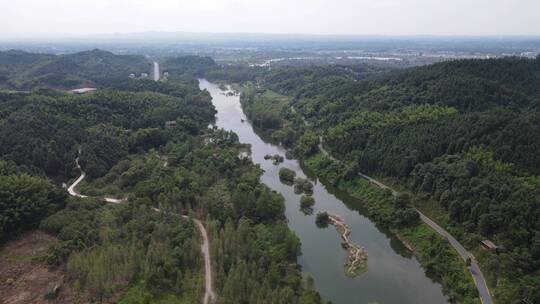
[462, 136]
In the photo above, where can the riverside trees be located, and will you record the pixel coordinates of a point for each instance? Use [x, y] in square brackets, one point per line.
[129, 251]
[460, 135]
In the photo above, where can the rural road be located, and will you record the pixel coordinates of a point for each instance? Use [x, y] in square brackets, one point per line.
[474, 269]
[72, 190]
[205, 248]
[156, 71]
[209, 294]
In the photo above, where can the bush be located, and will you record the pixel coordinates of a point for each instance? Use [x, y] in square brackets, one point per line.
[303, 185]
[322, 220]
[287, 175]
[307, 201]
[24, 201]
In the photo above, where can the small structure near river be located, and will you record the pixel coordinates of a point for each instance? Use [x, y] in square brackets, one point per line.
[489, 245]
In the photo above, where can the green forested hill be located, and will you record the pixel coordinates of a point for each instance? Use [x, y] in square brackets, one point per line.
[130, 252]
[21, 70]
[462, 136]
[493, 103]
[469, 85]
[195, 66]
[42, 132]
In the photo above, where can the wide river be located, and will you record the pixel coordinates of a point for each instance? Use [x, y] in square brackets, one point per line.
[393, 275]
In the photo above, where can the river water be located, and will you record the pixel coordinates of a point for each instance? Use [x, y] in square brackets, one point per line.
[393, 275]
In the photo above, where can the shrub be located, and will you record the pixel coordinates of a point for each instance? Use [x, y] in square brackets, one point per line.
[303, 185]
[287, 175]
[322, 220]
[307, 201]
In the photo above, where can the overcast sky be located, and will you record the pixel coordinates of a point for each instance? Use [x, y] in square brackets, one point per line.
[357, 17]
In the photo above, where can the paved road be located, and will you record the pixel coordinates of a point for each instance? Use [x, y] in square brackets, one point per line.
[478, 276]
[209, 294]
[156, 71]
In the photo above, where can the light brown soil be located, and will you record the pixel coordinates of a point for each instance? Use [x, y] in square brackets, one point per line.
[356, 255]
[24, 276]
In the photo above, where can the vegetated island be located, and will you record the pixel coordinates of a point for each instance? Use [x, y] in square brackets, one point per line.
[276, 158]
[356, 263]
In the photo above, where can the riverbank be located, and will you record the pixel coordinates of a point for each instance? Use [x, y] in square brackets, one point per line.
[321, 258]
[439, 259]
[448, 268]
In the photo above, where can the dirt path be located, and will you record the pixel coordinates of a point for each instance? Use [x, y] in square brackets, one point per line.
[209, 294]
[72, 190]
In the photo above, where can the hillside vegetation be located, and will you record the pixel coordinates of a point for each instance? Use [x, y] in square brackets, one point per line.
[23, 71]
[130, 252]
[461, 136]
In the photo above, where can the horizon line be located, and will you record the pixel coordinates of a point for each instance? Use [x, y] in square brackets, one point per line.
[49, 35]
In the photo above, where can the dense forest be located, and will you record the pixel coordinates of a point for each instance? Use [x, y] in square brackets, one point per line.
[460, 136]
[459, 139]
[130, 252]
[43, 132]
[25, 71]
[254, 252]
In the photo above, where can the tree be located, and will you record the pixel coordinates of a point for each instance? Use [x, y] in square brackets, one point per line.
[286, 175]
[24, 201]
[307, 201]
[322, 219]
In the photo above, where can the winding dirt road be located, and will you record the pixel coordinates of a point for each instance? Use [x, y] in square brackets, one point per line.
[209, 294]
[72, 190]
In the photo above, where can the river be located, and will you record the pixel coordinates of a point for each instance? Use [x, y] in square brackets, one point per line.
[393, 275]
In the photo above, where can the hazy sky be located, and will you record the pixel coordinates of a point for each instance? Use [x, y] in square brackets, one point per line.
[362, 17]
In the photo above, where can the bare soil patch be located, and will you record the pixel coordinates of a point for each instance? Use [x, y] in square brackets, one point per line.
[25, 277]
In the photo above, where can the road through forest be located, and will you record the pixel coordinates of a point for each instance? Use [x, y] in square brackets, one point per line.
[209, 294]
[156, 71]
[474, 268]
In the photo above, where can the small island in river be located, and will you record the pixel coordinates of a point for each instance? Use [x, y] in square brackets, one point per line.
[356, 255]
[275, 158]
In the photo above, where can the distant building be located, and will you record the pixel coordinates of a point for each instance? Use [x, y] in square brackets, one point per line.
[490, 245]
[165, 74]
[170, 124]
[82, 90]
[131, 75]
[144, 75]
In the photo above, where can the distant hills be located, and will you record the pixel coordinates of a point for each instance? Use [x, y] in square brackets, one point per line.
[23, 71]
